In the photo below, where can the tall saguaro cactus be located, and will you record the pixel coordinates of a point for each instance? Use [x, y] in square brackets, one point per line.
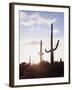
[52, 49]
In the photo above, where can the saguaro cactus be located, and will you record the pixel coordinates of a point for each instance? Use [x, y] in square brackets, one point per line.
[30, 60]
[52, 49]
[41, 53]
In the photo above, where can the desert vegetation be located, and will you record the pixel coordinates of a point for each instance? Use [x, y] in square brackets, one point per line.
[43, 69]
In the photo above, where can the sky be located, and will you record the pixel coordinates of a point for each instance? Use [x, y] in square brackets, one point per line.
[36, 26]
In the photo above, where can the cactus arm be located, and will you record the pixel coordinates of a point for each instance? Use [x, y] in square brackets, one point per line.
[47, 51]
[54, 48]
[56, 45]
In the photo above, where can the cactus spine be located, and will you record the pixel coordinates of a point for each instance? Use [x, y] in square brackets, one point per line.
[52, 49]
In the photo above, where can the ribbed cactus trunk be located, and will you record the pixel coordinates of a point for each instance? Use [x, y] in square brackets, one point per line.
[30, 60]
[52, 53]
[52, 48]
[41, 50]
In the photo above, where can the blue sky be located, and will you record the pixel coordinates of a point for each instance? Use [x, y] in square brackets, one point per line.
[36, 26]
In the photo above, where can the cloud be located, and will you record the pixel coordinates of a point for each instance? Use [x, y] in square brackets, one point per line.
[28, 23]
[23, 15]
[56, 30]
[29, 20]
[34, 15]
[33, 43]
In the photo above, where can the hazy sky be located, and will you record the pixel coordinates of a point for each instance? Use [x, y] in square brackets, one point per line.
[36, 26]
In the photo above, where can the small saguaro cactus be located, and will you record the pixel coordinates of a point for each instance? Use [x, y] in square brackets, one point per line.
[52, 49]
[30, 60]
[41, 53]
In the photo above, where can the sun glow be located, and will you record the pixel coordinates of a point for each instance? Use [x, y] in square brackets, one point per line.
[32, 51]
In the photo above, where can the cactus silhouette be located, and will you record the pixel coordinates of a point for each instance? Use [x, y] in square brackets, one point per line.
[41, 53]
[30, 60]
[52, 49]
